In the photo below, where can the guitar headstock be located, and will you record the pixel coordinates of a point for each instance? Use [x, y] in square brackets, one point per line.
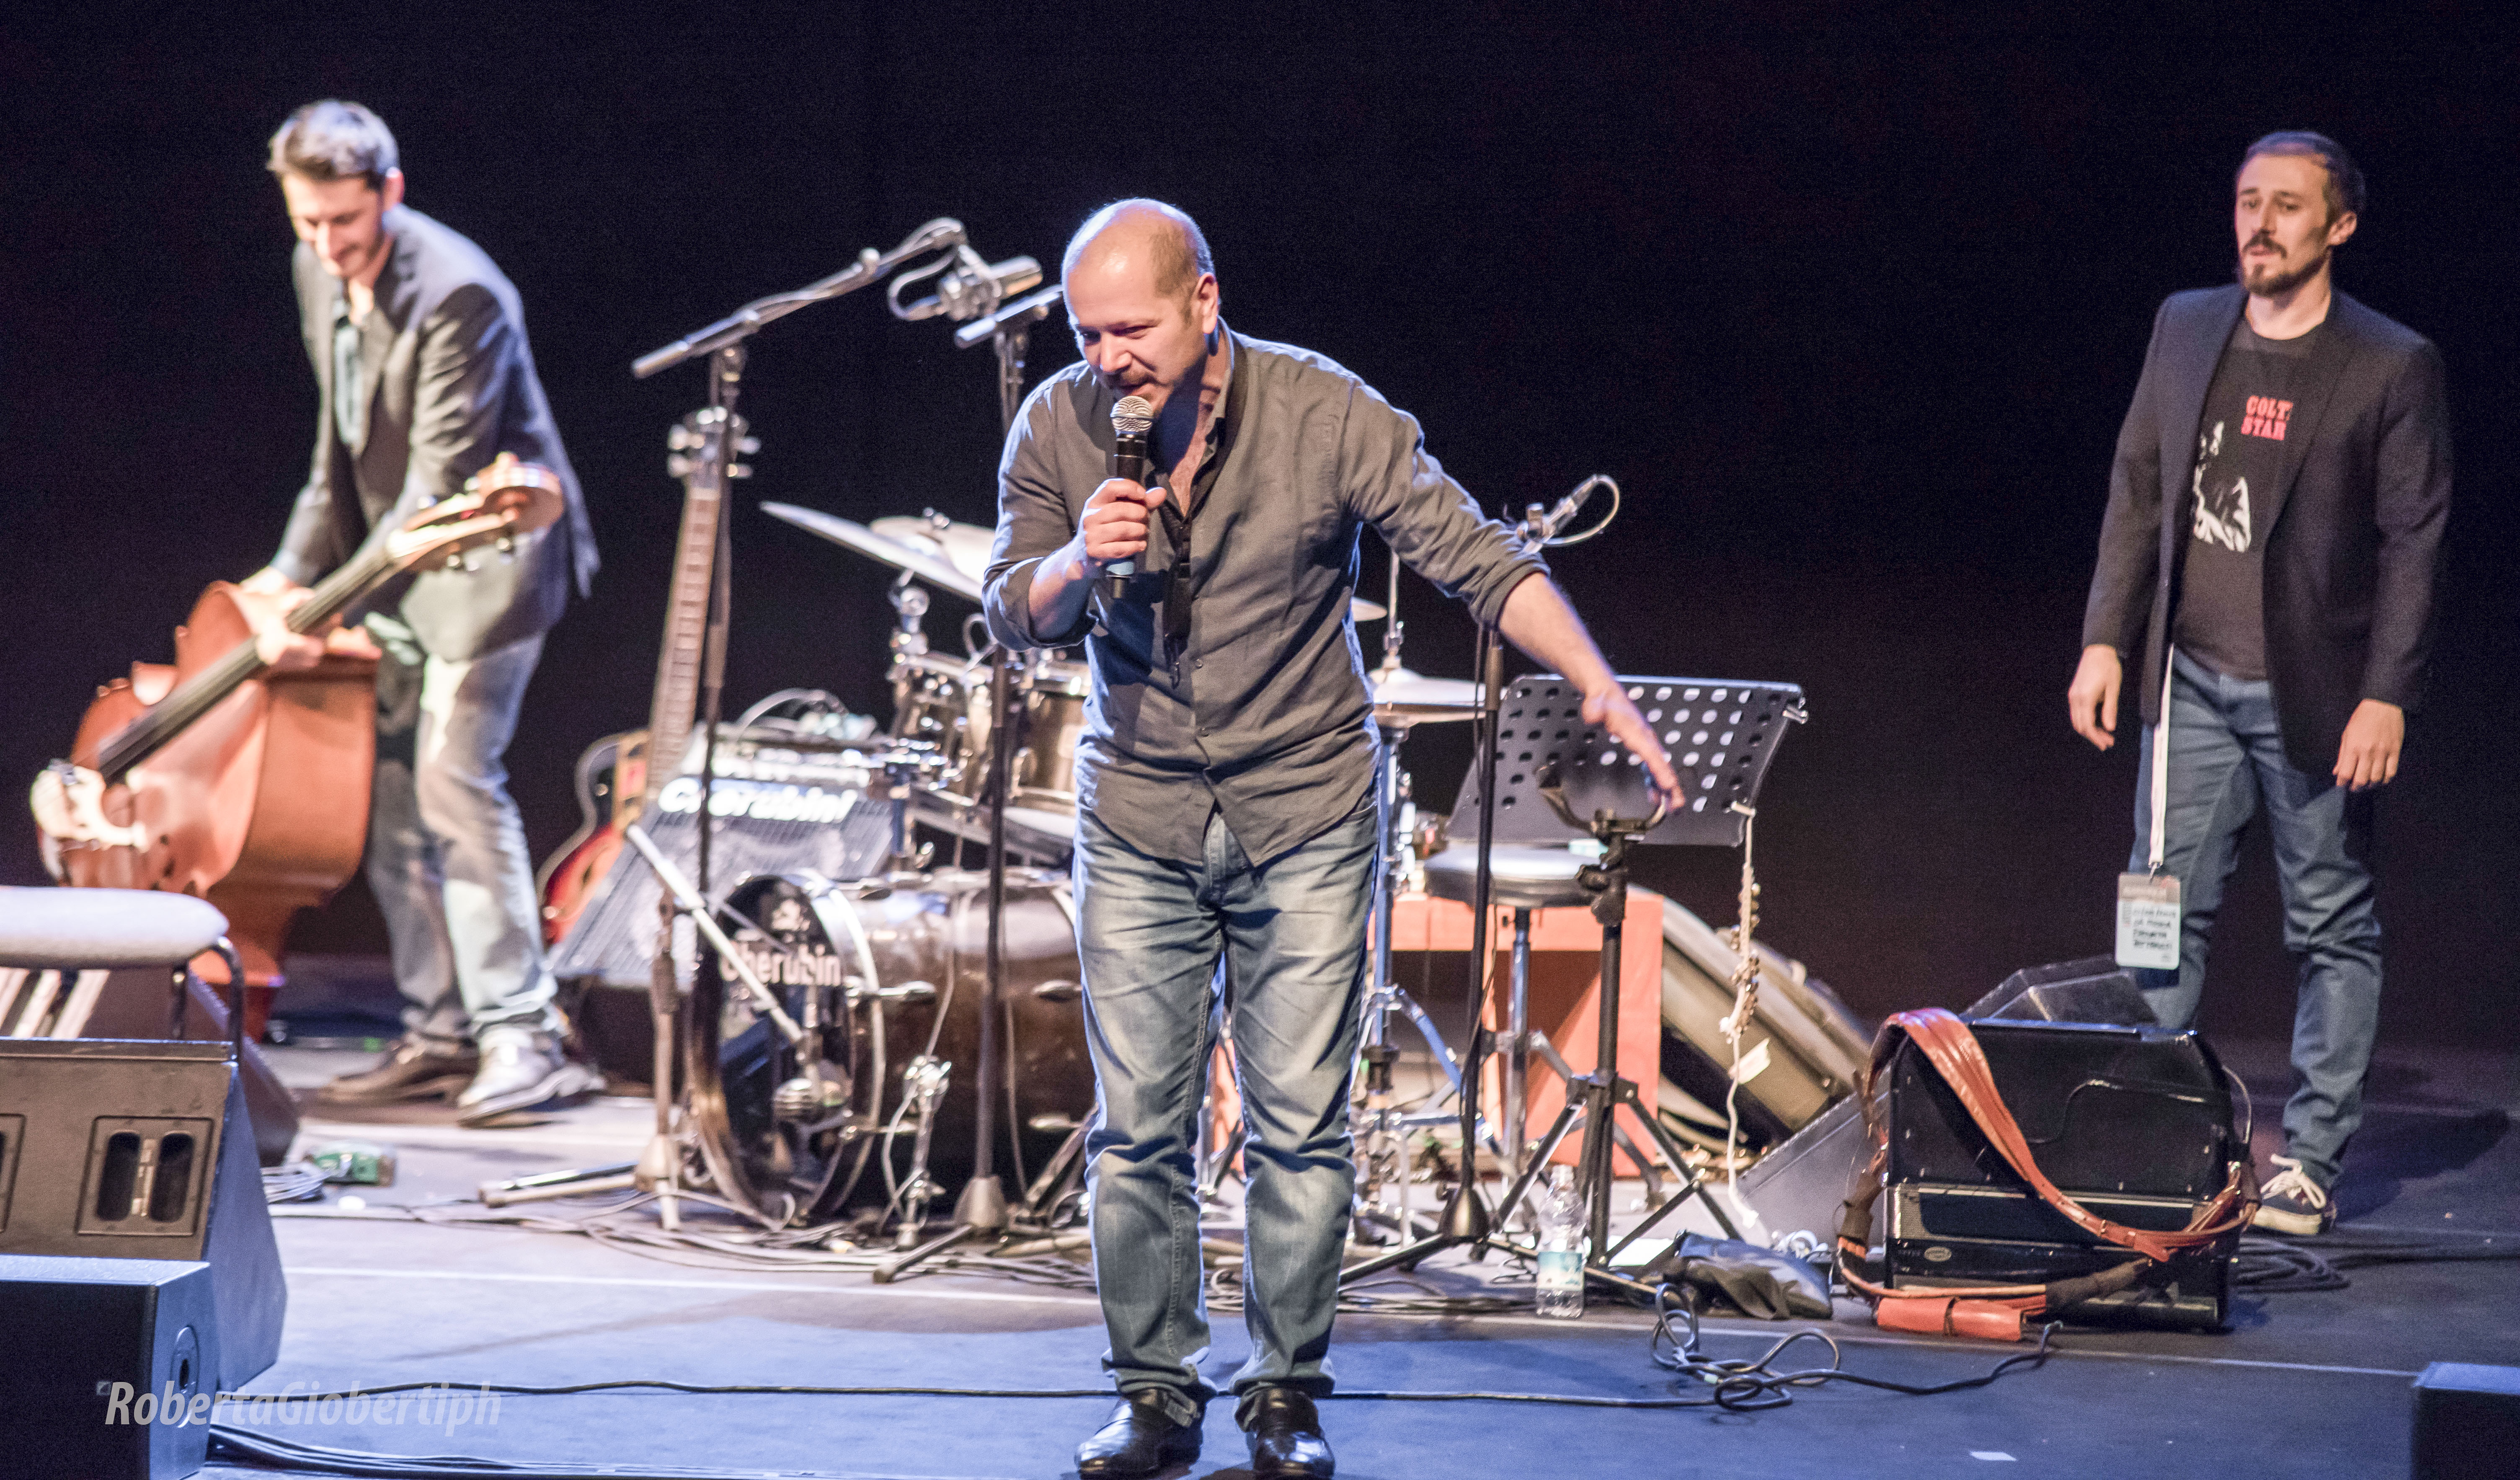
[693, 441]
[501, 503]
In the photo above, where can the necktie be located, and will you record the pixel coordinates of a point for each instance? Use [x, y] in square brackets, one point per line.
[349, 398]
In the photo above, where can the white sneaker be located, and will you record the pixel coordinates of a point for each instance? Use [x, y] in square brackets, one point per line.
[2294, 1203]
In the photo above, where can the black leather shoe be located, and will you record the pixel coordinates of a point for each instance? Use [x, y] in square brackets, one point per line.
[1285, 1433]
[1140, 1439]
[410, 1070]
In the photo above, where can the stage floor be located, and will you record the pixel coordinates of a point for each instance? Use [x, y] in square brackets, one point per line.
[2304, 1385]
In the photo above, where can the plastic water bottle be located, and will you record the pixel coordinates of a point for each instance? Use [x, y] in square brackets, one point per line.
[1561, 1245]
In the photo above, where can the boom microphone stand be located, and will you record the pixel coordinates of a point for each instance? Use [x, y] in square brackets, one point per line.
[982, 1206]
[720, 441]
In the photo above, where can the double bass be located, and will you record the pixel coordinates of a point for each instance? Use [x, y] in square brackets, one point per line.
[219, 776]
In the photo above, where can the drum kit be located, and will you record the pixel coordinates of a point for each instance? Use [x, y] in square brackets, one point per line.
[873, 967]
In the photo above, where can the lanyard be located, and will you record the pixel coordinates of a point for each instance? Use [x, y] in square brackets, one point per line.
[2160, 762]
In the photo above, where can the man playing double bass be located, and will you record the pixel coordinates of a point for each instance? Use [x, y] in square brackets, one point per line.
[419, 349]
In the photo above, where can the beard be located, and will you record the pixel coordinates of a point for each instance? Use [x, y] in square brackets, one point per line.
[2272, 280]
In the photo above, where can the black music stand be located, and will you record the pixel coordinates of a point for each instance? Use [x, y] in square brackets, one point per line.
[1557, 777]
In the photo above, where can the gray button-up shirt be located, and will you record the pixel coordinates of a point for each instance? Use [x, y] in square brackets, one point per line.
[1263, 713]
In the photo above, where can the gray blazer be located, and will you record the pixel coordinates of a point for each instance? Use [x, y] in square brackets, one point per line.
[450, 384]
[2354, 528]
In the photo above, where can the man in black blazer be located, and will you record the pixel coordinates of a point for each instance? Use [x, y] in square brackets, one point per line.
[2273, 534]
[419, 347]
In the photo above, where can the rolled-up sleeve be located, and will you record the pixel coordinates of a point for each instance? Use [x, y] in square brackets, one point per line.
[1429, 520]
[1033, 522]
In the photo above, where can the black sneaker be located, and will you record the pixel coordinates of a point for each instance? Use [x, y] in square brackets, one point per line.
[2294, 1203]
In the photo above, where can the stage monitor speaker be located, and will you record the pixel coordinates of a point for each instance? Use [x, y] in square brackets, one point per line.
[2134, 1122]
[112, 1149]
[1800, 1185]
[2467, 1422]
[798, 814]
[139, 1002]
[2094, 989]
[96, 1350]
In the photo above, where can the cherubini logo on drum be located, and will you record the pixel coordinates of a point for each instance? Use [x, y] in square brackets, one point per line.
[802, 962]
[765, 802]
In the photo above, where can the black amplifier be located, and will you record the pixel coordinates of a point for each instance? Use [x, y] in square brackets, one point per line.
[2134, 1123]
[774, 809]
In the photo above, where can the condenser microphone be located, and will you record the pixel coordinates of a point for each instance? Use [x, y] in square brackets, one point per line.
[1131, 417]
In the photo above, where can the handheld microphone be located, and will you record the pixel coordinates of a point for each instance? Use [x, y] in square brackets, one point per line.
[1131, 417]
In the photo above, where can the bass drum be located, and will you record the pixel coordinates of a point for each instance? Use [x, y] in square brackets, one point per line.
[878, 976]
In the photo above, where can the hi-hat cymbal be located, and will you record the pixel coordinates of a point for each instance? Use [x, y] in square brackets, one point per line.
[928, 564]
[965, 546]
[1403, 698]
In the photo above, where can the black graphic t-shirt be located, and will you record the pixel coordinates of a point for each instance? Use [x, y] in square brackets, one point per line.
[2221, 618]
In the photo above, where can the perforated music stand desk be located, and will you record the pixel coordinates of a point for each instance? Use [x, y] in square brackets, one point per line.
[1721, 732]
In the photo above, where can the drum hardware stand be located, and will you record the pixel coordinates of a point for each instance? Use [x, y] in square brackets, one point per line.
[925, 1081]
[1466, 1219]
[658, 1167]
[1383, 1133]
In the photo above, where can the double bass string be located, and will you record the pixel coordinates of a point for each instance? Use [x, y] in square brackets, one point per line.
[197, 697]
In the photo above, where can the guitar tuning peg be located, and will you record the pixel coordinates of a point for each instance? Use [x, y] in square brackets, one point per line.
[678, 465]
[738, 469]
[679, 437]
[748, 445]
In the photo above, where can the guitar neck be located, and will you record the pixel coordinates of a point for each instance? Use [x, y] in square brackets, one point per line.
[673, 711]
[198, 695]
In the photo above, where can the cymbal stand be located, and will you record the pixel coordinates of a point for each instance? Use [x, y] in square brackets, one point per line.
[1466, 1219]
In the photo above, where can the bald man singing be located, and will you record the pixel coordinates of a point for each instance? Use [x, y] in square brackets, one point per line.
[1225, 790]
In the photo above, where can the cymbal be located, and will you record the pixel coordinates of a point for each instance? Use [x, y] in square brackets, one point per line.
[965, 546]
[1403, 698]
[954, 556]
[929, 566]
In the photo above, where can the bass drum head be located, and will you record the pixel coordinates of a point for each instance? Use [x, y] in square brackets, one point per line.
[800, 1137]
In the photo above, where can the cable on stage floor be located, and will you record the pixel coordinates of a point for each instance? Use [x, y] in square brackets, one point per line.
[1754, 1386]
[2267, 1266]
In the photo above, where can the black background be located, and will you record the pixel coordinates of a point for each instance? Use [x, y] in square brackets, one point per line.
[1849, 298]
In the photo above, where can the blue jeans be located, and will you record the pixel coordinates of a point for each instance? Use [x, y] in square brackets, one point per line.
[446, 850]
[1150, 934]
[2227, 757]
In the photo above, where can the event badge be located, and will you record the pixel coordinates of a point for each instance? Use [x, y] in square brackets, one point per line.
[2148, 920]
